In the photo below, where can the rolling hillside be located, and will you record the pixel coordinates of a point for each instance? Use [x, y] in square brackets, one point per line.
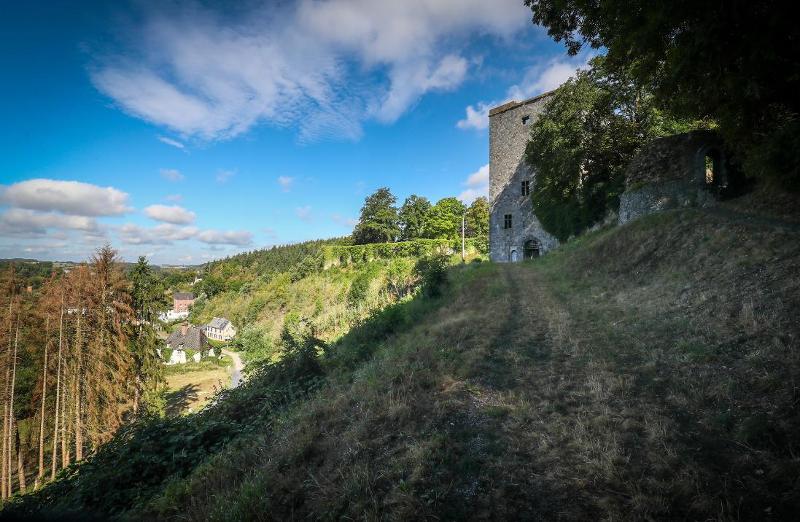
[643, 371]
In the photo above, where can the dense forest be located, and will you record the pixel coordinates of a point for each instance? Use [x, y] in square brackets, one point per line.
[79, 359]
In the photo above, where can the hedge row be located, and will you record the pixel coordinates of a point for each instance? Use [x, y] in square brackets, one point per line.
[346, 255]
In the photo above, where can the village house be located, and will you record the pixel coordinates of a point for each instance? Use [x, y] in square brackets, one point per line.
[181, 301]
[220, 329]
[186, 337]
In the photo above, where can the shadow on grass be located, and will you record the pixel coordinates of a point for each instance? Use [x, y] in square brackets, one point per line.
[178, 401]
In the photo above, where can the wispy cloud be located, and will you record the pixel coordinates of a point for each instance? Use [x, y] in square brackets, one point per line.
[322, 67]
[174, 197]
[174, 143]
[304, 213]
[229, 237]
[285, 182]
[167, 233]
[343, 221]
[477, 185]
[537, 79]
[172, 175]
[170, 214]
[224, 175]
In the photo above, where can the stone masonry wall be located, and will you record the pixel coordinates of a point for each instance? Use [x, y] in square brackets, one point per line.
[670, 173]
[508, 137]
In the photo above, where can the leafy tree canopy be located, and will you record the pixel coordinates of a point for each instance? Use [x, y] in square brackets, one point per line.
[379, 222]
[477, 220]
[444, 220]
[413, 215]
[579, 148]
[735, 62]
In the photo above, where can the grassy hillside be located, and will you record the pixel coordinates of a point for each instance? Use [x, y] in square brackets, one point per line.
[644, 371]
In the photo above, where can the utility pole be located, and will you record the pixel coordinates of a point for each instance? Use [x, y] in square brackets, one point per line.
[463, 250]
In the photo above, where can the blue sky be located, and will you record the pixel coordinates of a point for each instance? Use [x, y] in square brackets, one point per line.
[187, 132]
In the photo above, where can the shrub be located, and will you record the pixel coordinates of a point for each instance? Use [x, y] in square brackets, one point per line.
[432, 271]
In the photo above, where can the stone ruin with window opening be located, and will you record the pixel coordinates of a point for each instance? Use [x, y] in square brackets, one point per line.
[683, 170]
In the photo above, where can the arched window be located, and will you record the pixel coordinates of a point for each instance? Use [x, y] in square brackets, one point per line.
[532, 249]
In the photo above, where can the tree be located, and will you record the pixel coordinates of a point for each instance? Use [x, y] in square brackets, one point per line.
[735, 62]
[413, 215]
[147, 300]
[444, 219]
[378, 222]
[211, 285]
[477, 218]
[583, 141]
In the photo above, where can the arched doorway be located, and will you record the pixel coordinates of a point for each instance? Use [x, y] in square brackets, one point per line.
[514, 257]
[532, 249]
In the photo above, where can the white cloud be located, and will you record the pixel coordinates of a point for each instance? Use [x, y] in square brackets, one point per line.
[344, 221]
[26, 222]
[170, 214]
[68, 197]
[163, 234]
[174, 197]
[477, 117]
[224, 175]
[230, 237]
[285, 182]
[172, 175]
[477, 185]
[169, 141]
[537, 79]
[304, 213]
[324, 67]
[166, 233]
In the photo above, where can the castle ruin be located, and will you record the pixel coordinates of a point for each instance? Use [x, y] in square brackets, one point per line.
[514, 231]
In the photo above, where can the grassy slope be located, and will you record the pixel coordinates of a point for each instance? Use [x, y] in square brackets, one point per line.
[645, 371]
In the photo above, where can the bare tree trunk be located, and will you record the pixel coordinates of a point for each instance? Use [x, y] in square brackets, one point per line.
[4, 458]
[4, 468]
[78, 424]
[20, 465]
[9, 475]
[40, 475]
[58, 393]
[11, 405]
[65, 454]
[77, 391]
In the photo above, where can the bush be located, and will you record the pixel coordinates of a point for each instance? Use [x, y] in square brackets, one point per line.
[433, 273]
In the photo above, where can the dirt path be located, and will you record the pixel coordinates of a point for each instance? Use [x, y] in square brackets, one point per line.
[236, 370]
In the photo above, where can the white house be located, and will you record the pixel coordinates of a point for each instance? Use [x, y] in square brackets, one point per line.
[220, 329]
[172, 315]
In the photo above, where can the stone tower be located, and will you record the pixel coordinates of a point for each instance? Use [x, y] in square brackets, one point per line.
[514, 232]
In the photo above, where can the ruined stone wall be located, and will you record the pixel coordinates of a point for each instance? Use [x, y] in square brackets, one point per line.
[508, 137]
[670, 173]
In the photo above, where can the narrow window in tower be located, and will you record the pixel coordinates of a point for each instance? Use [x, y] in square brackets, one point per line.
[526, 187]
[507, 221]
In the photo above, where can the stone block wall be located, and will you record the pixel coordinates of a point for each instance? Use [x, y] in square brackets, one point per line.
[509, 129]
[670, 173]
